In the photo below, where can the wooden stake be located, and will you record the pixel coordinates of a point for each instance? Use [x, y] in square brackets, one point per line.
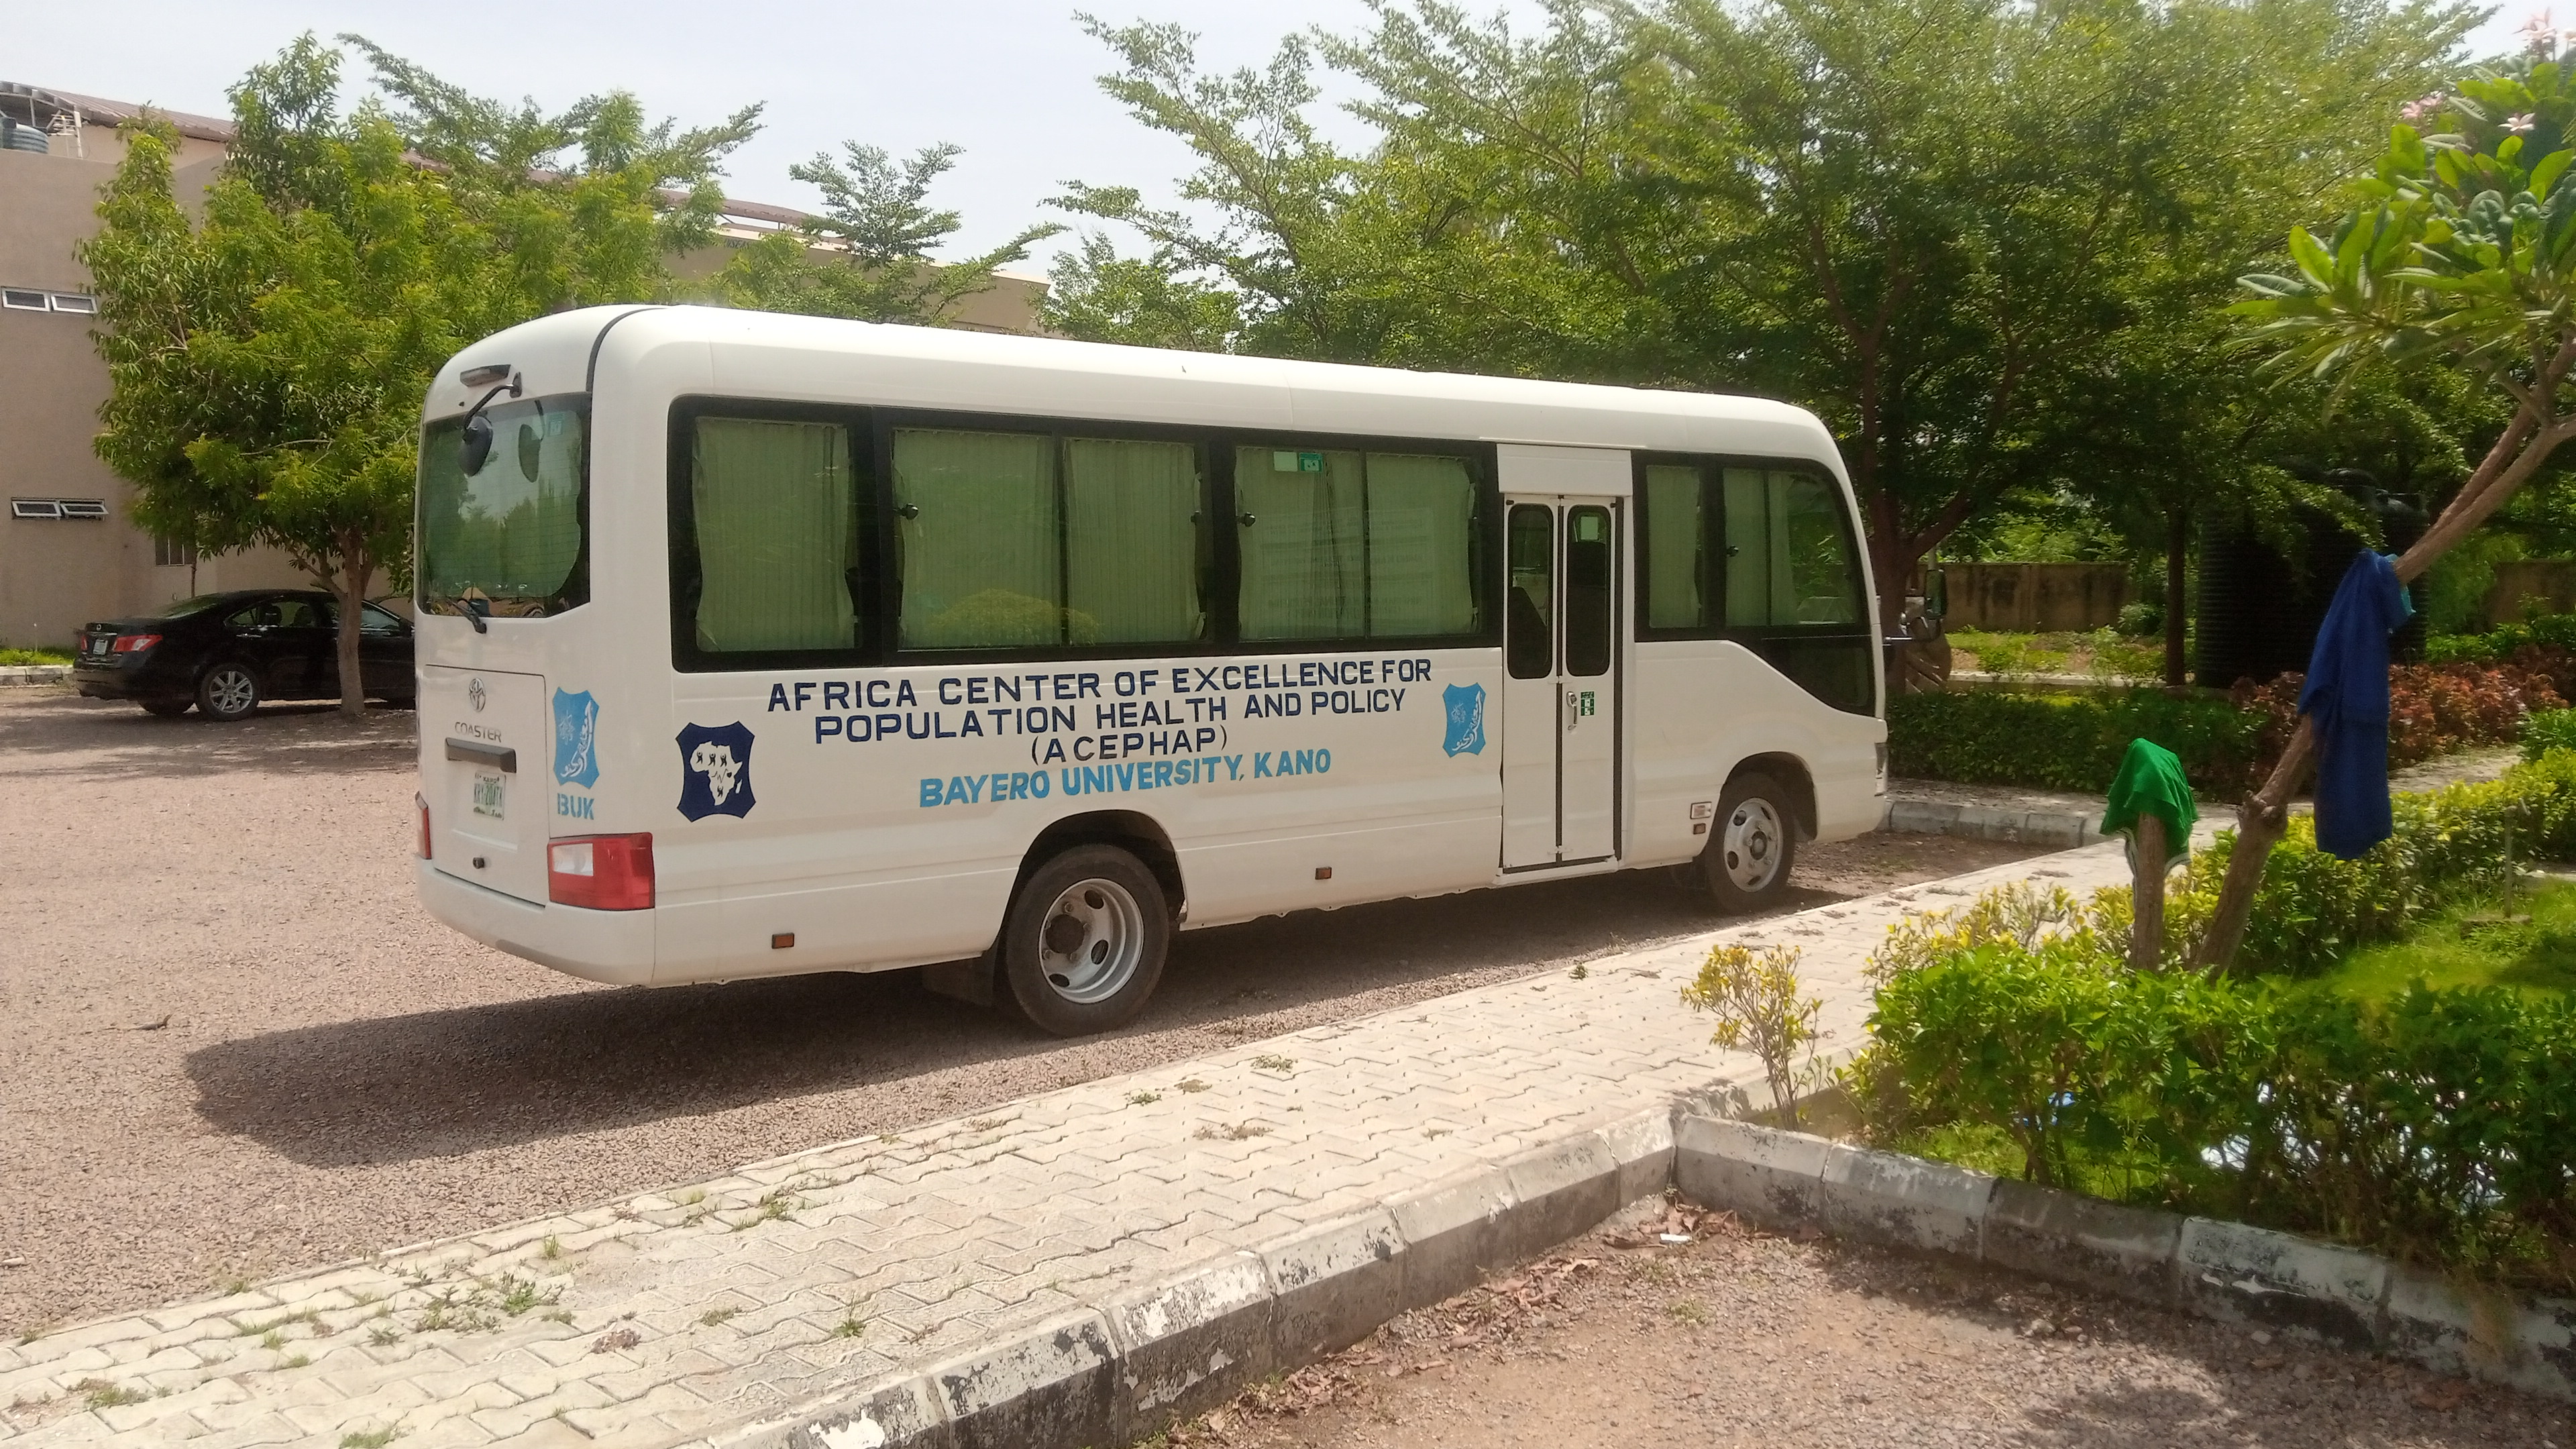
[2147, 894]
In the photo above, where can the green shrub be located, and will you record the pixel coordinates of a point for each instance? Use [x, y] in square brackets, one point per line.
[2546, 730]
[2548, 630]
[2439, 1126]
[2066, 742]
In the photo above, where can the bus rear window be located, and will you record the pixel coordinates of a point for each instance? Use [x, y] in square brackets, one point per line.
[510, 539]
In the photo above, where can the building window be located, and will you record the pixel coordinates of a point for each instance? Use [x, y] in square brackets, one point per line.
[171, 553]
[90, 508]
[27, 299]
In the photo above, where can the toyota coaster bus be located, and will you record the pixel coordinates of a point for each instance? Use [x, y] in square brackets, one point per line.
[754, 644]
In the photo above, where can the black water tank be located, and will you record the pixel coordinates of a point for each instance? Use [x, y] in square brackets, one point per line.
[2259, 614]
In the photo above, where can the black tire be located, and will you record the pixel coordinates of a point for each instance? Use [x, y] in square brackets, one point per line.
[228, 691]
[1084, 940]
[165, 707]
[1751, 845]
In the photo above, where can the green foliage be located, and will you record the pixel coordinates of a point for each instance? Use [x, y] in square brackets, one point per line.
[2438, 1125]
[2458, 581]
[2555, 631]
[867, 256]
[18, 657]
[1754, 997]
[1099, 296]
[267, 363]
[2063, 742]
[2549, 729]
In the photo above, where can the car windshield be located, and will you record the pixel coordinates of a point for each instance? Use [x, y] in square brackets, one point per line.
[510, 538]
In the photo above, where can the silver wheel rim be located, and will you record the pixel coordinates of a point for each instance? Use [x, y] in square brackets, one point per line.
[1091, 941]
[1752, 845]
[231, 691]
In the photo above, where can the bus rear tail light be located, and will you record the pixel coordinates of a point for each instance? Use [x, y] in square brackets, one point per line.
[603, 872]
[423, 802]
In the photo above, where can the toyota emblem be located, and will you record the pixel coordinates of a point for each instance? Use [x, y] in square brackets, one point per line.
[477, 694]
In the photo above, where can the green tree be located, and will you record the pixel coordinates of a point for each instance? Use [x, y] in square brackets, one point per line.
[1936, 223]
[867, 255]
[267, 364]
[2458, 246]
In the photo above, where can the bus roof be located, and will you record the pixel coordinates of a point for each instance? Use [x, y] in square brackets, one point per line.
[726, 352]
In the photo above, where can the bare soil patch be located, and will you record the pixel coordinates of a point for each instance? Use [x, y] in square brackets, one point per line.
[1744, 1338]
[232, 1044]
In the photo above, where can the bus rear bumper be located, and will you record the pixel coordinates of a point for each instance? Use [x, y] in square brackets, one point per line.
[612, 947]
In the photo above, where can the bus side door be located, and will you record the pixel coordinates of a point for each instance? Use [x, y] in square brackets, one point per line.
[1561, 654]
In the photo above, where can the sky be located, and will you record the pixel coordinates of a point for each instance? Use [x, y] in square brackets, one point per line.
[1012, 81]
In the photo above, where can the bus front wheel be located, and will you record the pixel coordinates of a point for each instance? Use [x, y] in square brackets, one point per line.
[1084, 941]
[1753, 845]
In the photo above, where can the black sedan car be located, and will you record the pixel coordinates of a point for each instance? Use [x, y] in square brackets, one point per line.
[224, 653]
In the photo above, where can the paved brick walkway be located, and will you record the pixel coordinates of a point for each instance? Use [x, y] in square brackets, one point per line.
[665, 1318]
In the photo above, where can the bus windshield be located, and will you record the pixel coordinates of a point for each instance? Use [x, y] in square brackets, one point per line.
[511, 538]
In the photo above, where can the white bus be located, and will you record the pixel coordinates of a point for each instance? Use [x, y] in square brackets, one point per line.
[753, 645]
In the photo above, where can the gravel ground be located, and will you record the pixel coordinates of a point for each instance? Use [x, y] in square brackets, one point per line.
[1742, 1338]
[232, 1044]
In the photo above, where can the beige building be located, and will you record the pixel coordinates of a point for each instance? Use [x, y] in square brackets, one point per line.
[69, 548]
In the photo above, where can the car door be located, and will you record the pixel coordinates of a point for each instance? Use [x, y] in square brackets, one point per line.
[255, 633]
[384, 652]
[308, 648]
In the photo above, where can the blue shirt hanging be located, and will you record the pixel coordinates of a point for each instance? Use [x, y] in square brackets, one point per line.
[2346, 699]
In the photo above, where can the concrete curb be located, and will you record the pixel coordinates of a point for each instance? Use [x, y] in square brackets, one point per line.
[18, 675]
[1990, 822]
[1186, 1343]
[2226, 1271]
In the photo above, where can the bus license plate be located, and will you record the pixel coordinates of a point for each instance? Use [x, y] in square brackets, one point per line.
[487, 794]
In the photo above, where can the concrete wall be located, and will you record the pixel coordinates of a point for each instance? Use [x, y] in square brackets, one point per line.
[2036, 597]
[2552, 581]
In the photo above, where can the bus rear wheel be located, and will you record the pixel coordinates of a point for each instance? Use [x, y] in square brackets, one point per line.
[1084, 941]
[1755, 842]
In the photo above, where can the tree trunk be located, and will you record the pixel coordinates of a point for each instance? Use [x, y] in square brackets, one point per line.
[349, 585]
[2525, 444]
[2177, 614]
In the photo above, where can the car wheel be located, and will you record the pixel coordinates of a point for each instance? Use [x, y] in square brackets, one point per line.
[1084, 940]
[228, 692]
[165, 707]
[1756, 841]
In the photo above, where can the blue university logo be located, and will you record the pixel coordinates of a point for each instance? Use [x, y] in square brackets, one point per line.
[715, 771]
[576, 739]
[1464, 705]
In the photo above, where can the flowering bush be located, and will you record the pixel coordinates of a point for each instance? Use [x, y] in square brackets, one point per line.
[2433, 709]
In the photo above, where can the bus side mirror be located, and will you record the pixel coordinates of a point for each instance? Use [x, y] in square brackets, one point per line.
[474, 445]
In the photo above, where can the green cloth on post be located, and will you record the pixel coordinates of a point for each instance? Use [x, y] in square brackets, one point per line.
[2150, 782]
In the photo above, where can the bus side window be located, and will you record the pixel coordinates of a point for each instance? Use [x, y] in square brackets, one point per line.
[1033, 541]
[776, 509]
[1788, 558]
[1342, 544]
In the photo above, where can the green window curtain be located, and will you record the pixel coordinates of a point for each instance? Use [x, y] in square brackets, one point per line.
[1788, 556]
[777, 523]
[1421, 545]
[1304, 554]
[1131, 547]
[1748, 548]
[983, 563]
[1676, 523]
